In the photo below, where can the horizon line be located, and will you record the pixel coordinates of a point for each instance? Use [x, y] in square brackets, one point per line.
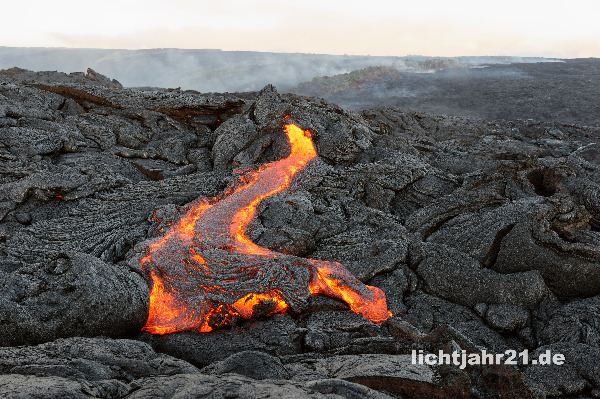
[289, 52]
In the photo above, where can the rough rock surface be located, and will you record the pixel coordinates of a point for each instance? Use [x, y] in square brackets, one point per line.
[483, 235]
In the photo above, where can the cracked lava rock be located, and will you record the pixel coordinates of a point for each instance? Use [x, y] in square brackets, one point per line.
[206, 272]
[482, 235]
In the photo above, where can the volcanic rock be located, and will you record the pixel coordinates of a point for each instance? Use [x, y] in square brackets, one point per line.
[394, 374]
[431, 313]
[576, 322]
[97, 359]
[70, 294]
[481, 234]
[278, 336]
[570, 266]
[579, 375]
[507, 317]
[253, 364]
[457, 277]
[82, 368]
[233, 385]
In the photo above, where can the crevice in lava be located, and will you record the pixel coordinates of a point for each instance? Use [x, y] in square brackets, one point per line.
[544, 181]
[437, 226]
[152, 174]
[595, 224]
[79, 96]
[205, 272]
[185, 114]
[492, 255]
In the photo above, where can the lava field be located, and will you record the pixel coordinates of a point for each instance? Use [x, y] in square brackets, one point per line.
[163, 243]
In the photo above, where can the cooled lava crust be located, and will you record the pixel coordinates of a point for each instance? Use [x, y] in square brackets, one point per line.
[206, 272]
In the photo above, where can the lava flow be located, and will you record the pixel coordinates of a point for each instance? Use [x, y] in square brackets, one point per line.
[206, 272]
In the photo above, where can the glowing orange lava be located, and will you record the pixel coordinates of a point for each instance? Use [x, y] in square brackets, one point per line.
[206, 272]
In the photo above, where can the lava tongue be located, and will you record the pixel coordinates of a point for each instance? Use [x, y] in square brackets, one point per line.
[206, 272]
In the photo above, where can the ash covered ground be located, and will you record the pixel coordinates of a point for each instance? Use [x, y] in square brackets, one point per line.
[482, 234]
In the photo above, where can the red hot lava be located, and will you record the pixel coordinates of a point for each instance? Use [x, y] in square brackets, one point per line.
[206, 272]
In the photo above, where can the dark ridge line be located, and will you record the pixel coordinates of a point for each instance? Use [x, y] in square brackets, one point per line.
[79, 96]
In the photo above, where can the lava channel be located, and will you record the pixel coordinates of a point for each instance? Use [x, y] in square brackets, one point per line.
[206, 272]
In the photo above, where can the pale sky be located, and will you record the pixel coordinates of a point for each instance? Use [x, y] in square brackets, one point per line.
[550, 28]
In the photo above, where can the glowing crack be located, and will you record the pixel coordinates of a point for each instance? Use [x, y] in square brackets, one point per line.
[206, 272]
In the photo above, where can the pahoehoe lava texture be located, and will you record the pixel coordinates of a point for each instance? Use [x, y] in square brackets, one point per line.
[481, 234]
[206, 272]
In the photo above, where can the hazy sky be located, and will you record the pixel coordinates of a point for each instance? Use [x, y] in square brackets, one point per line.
[375, 27]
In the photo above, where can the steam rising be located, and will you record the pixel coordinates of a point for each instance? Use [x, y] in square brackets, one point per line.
[207, 70]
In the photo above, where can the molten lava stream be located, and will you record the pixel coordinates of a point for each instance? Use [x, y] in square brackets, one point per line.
[206, 272]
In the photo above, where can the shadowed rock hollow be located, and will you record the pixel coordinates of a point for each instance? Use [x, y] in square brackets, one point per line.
[481, 234]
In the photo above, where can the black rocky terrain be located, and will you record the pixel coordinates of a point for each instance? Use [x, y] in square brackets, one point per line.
[483, 235]
[565, 91]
